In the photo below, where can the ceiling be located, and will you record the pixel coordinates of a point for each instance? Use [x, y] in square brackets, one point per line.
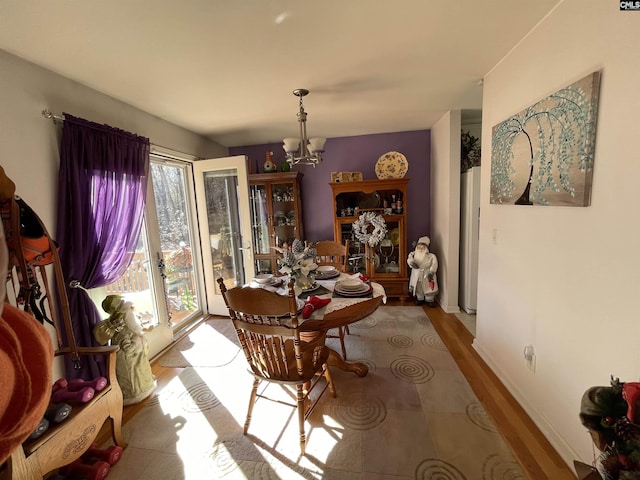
[226, 69]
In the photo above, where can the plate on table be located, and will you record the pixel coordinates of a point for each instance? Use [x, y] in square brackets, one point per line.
[392, 165]
[264, 278]
[328, 275]
[330, 272]
[326, 269]
[313, 287]
[351, 286]
[366, 290]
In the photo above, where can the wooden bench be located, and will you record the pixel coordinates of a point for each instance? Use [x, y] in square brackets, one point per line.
[63, 443]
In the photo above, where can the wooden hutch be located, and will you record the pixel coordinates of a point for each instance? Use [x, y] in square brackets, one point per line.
[385, 263]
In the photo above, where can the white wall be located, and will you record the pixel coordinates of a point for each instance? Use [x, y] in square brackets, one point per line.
[565, 279]
[29, 142]
[445, 206]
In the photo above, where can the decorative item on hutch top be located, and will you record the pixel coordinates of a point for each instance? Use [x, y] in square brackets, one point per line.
[346, 176]
[303, 150]
[269, 164]
[392, 165]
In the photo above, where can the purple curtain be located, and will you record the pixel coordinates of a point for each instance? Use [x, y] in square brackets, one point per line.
[102, 188]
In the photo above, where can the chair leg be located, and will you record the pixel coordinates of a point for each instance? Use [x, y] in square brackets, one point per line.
[327, 375]
[252, 401]
[341, 335]
[346, 329]
[301, 412]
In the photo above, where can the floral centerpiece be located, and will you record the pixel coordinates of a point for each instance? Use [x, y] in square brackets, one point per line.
[370, 228]
[299, 262]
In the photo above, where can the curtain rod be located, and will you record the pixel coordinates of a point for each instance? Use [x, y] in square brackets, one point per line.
[157, 150]
[46, 113]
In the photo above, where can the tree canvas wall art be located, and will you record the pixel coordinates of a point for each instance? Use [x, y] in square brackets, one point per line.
[543, 155]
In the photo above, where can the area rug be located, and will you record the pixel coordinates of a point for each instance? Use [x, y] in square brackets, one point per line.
[414, 416]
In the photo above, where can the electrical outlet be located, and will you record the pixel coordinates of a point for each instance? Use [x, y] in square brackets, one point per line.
[530, 357]
[532, 364]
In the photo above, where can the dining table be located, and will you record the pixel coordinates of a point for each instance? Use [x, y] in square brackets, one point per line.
[339, 312]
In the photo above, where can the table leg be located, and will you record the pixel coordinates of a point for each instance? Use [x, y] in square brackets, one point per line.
[336, 360]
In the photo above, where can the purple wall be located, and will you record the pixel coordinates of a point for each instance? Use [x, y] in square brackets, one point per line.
[356, 154]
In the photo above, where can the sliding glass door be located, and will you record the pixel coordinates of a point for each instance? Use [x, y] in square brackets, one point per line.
[196, 230]
[164, 280]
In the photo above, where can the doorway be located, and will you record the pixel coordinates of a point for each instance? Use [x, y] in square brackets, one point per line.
[164, 281]
[196, 229]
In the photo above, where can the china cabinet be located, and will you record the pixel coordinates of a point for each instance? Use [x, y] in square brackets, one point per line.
[276, 216]
[386, 263]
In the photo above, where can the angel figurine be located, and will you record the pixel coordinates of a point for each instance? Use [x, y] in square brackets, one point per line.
[133, 369]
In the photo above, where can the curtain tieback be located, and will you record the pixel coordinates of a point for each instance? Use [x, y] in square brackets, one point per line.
[77, 284]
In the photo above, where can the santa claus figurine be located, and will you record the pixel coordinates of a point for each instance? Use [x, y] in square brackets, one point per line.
[423, 284]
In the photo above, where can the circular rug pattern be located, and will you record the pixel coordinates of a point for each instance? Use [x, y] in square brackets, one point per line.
[368, 322]
[434, 341]
[400, 341]
[370, 365]
[198, 398]
[435, 469]
[412, 369]
[363, 415]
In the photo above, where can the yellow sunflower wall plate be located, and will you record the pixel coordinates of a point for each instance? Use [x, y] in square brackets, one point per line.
[391, 165]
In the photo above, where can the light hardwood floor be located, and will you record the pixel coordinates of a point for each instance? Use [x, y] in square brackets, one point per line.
[537, 458]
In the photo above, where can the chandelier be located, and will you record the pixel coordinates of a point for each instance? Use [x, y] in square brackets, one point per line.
[303, 151]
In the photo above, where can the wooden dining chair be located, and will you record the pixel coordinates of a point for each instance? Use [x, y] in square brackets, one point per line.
[267, 327]
[335, 254]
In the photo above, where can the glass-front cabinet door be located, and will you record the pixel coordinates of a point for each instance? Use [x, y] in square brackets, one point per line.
[260, 233]
[276, 216]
